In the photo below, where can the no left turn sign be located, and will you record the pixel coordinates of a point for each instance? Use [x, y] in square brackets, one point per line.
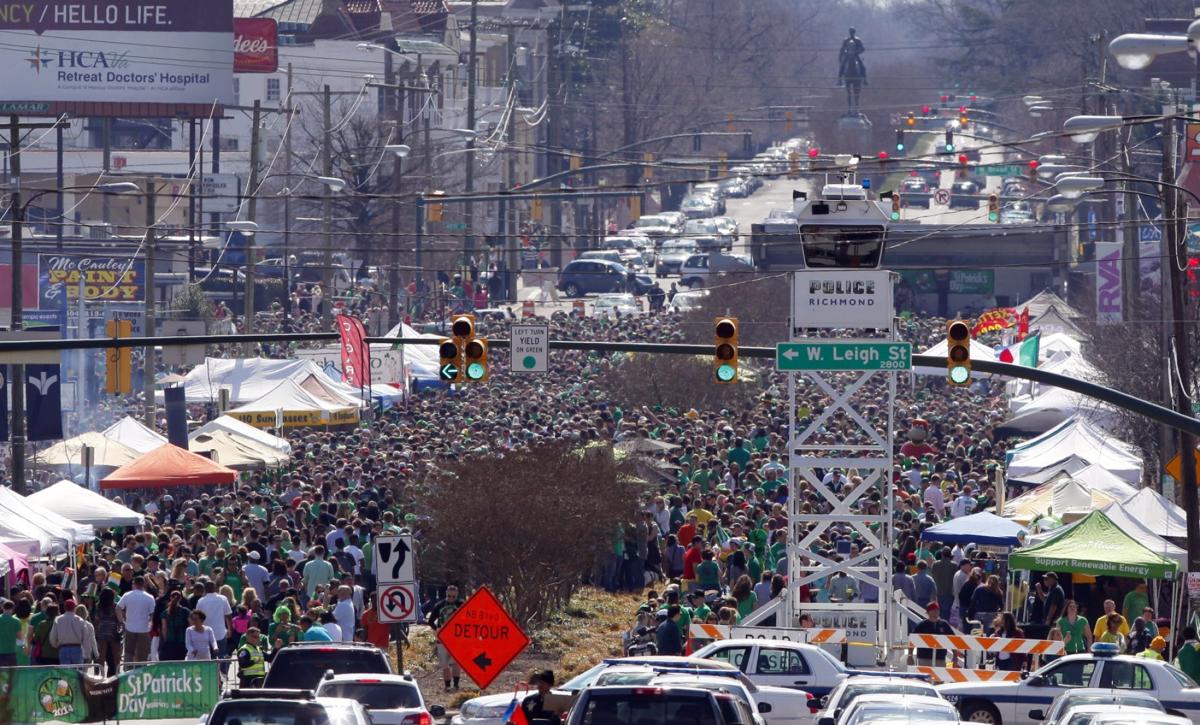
[397, 604]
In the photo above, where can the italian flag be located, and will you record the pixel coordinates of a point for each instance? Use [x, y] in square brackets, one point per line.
[1023, 353]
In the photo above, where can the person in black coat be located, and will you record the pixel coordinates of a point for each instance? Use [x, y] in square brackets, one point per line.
[667, 637]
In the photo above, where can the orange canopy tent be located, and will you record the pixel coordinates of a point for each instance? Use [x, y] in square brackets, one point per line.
[168, 466]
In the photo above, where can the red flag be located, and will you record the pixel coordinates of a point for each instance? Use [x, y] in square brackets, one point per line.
[1023, 325]
[356, 357]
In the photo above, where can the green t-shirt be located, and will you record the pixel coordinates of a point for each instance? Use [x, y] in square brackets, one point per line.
[755, 567]
[740, 456]
[700, 613]
[10, 628]
[1133, 605]
[708, 575]
[207, 563]
[685, 622]
[747, 605]
[1075, 642]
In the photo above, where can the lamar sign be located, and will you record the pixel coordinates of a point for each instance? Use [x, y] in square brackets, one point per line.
[255, 45]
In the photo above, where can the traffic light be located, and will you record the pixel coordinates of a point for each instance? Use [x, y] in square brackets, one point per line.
[1033, 167]
[963, 160]
[794, 165]
[723, 167]
[925, 110]
[475, 357]
[730, 126]
[725, 354]
[535, 209]
[697, 141]
[648, 165]
[963, 120]
[883, 156]
[748, 144]
[576, 162]
[118, 378]
[896, 206]
[900, 140]
[449, 361]
[949, 141]
[788, 118]
[911, 120]
[433, 212]
[958, 352]
[993, 208]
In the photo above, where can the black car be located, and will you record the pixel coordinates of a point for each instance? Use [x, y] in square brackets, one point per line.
[582, 276]
[285, 706]
[964, 195]
[301, 666]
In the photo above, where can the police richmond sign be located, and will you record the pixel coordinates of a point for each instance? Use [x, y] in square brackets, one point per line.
[841, 299]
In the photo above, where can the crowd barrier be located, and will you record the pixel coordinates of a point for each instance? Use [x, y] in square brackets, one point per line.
[954, 674]
[150, 691]
[988, 644]
[725, 631]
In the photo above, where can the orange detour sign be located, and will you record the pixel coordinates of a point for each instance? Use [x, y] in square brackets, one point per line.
[482, 638]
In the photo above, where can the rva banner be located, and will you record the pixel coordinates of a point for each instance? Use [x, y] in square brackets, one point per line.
[1108, 283]
[356, 356]
[155, 691]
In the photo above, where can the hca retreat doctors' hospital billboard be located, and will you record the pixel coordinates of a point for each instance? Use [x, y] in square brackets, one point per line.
[142, 58]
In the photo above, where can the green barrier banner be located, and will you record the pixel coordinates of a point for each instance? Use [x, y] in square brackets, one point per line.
[168, 690]
[155, 691]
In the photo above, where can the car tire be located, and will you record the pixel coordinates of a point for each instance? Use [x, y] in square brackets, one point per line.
[572, 290]
[980, 711]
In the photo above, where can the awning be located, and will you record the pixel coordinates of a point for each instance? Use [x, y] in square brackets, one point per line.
[1097, 547]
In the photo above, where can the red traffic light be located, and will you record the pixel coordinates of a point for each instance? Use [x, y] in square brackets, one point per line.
[974, 98]
[1033, 164]
[883, 155]
[962, 159]
[944, 98]
[463, 326]
[962, 109]
[924, 110]
[814, 152]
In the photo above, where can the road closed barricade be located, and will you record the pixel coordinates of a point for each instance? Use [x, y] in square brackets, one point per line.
[815, 635]
[967, 643]
[954, 674]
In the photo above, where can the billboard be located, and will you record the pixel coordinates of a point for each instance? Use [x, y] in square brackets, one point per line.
[105, 278]
[255, 45]
[118, 57]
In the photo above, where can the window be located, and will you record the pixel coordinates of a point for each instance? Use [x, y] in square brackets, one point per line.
[272, 89]
[735, 656]
[237, 92]
[1125, 676]
[621, 709]
[781, 662]
[1077, 673]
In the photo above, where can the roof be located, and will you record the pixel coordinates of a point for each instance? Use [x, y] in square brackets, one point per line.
[1094, 546]
[424, 46]
[168, 466]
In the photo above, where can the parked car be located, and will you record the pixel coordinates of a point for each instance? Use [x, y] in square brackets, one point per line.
[734, 187]
[240, 707]
[583, 276]
[688, 300]
[852, 688]
[699, 270]
[654, 225]
[389, 699]
[964, 195]
[672, 255]
[1094, 696]
[698, 207]
[630, 249]
[727, 227]
[302, 665]
[895, 709]
[1125, 714]
[621, 705]
[615, 303]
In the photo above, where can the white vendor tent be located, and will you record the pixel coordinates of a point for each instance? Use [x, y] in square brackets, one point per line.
[1057, 342]
[106, 452]
[421, 361]
[1052, 321]
[134, 434]
[18, 522]
[1052, 407]
[1062, 363]
[1075, 437]
[1071, 465]
[249, 379]
[240, 453]
[77, 503]
[1156, 513]
[979, 351]
[1061, 498]
[1045, 300]
[298, 408]
[238, 429]
[80, 533]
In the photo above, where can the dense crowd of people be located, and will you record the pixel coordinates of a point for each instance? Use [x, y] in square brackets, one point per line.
[287, 555]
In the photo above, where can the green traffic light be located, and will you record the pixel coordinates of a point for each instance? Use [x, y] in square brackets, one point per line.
[959, 375]
[993, 216]
[726, 373]
[899, 147]
[476, 371]
[895, 216]
[950, 147]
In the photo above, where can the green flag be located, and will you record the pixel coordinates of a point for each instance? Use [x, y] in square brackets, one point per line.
[1028, 354]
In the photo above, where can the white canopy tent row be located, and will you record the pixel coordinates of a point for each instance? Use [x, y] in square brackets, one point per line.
[1061, 363]
[32, 530]
[1054, 406]
[74, 502]
[420, 361]
[1063, 498]
[249, 379]
[134, 434]
[1080, 438]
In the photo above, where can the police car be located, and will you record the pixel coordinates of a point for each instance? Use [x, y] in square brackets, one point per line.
[1023, 702]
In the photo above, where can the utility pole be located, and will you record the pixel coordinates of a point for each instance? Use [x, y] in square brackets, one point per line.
[1179, 354]
[17, 372]
[151, 330]
[252, 215]
[287, 206]
[393, 112]
[327, 202]
[469, 181]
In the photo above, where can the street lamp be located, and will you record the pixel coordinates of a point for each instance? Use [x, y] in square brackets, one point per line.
[1033, 100]
[1135, 51]
[1074, 187]
[1049, 171]
[1062, 204]
[1085, 129]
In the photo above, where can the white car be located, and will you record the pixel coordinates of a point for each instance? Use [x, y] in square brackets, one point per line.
[780, 663]
[1088, 714]
[1142, 718]
[853, 688]
[913, 709]
[699, 270]
[610, 305]
[1021, 702]
[654, 225]
[389, 699]
[688, 300]
[1090, 696]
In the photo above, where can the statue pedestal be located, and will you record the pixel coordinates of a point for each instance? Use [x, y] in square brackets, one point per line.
[854, 134]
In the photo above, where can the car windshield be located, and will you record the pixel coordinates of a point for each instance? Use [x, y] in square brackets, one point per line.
[652, 221]
[917, 714]
[273, 713]
[681, 247]
[854, 691]
[583, 679]
[634, 709]
[306, 666]
[375, 696]
[618, 244]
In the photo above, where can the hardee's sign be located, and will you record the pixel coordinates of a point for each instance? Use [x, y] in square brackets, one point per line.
[255, 45]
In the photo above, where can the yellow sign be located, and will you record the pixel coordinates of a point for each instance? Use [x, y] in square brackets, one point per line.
[298, 418]
[1176, 471]
[118, 360]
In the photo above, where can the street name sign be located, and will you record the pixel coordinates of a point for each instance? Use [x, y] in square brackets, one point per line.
[853, 355]
[1000, 170]
[482, 637]
[529, 347]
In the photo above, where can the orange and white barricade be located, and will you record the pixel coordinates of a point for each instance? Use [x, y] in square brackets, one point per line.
[988, 644]
[579, 308]
[815, 635]
[527, 308]
[954, 674]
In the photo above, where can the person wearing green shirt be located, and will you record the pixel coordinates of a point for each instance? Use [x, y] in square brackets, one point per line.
[738, 454]
[10, 632]
[699, 609]
[753, 564]
[685, 614]
[1135, 602]
[1075, 630]
[708, 573]
[1188, 658]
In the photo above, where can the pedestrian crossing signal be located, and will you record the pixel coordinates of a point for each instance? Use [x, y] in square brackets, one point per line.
[725, 353]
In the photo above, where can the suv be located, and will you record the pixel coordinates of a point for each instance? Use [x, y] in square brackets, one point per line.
[301, 666]
[581, 276]
[964, 195]
[390, 699]
[699, 269]
[285, 706]
[619, 705]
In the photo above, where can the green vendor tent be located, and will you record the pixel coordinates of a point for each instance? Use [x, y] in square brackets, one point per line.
[1097, 547]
